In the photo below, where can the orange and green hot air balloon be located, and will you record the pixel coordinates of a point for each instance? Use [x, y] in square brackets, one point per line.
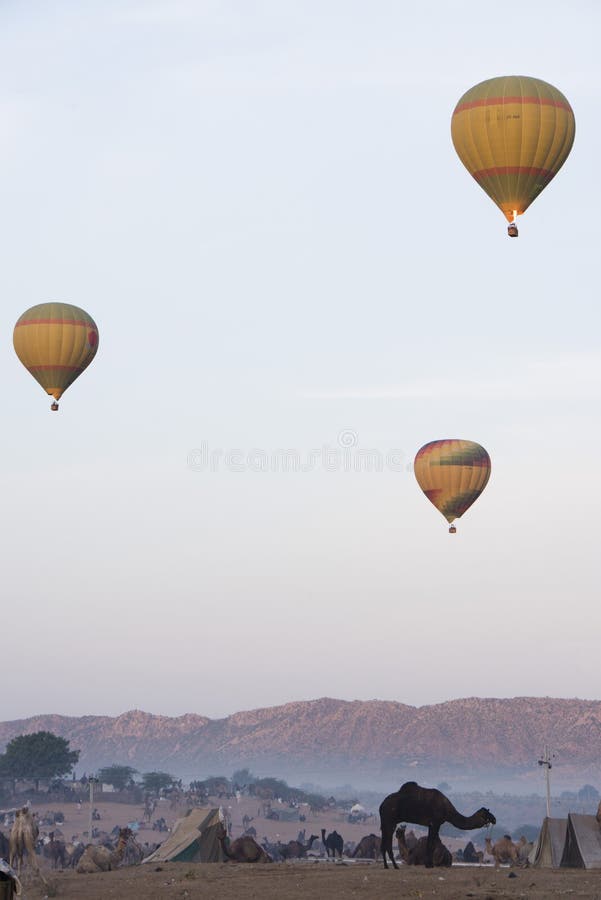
[452, 474]
[513, 135]
[55, 342]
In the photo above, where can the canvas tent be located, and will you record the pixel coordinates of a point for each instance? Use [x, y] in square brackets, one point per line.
[287, 815]
[582, 848]
[193, 839]
[548, 850]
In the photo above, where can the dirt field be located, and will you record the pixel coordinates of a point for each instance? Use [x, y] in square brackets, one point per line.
[77, 821]
[314, 881]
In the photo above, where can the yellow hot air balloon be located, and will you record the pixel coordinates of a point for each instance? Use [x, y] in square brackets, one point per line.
[55, 342]
[513, 135]
[452, 474]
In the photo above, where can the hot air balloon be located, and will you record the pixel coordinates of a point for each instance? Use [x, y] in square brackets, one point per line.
[55, 342]
[452, 474]
[513, 135]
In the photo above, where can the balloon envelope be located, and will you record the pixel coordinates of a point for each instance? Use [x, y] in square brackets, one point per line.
[55, 342]
[513, 134]
[452, 474]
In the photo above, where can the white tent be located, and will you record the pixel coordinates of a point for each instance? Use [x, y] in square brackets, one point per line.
[582, 849]
[193, 839]
[548, 849]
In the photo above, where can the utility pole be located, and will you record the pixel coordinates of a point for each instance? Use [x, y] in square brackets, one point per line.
[93, 781]
[546, 762]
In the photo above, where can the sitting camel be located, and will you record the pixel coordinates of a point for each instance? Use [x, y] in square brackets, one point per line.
[367, 848]
[424, 806]
[503, 851]
[295, 849]
[243, 849]
[471, 855]
[417, 856]
[97, 858]
[23, 837]
[525, 848]
[410, 840]
[333, 843]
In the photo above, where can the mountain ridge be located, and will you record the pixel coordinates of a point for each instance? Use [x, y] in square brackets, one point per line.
[366, 736]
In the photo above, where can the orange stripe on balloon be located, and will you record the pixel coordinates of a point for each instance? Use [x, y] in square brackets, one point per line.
[513, 170]
[53, 322]
[499, 101]
[61, 368]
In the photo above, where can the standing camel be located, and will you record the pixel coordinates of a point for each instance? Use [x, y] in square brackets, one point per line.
[428, 807]
[23, 837]
[333, 843]
[56, 852]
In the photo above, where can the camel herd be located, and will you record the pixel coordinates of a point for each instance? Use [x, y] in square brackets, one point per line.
[84, 859]
[411, 803]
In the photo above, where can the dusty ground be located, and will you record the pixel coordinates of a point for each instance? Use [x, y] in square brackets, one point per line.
[315, 881]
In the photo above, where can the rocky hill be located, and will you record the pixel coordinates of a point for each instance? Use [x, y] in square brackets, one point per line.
[347, 739]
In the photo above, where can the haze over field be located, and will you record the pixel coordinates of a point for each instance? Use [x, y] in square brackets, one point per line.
[260, 205]
[471, 743]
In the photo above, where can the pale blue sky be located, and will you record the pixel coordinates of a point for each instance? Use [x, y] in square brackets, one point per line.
[260, 205]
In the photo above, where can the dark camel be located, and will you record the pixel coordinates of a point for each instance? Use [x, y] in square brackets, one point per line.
[428, 807]
[367, 848]
[471, 855]
[243, 849]
[56, 852]
[333, 843]
[416, 856]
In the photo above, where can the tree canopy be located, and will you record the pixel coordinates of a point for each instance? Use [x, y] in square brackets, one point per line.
[120, 777]
[153, 782]
[242, 777]
[588, 793]
[36, 756]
